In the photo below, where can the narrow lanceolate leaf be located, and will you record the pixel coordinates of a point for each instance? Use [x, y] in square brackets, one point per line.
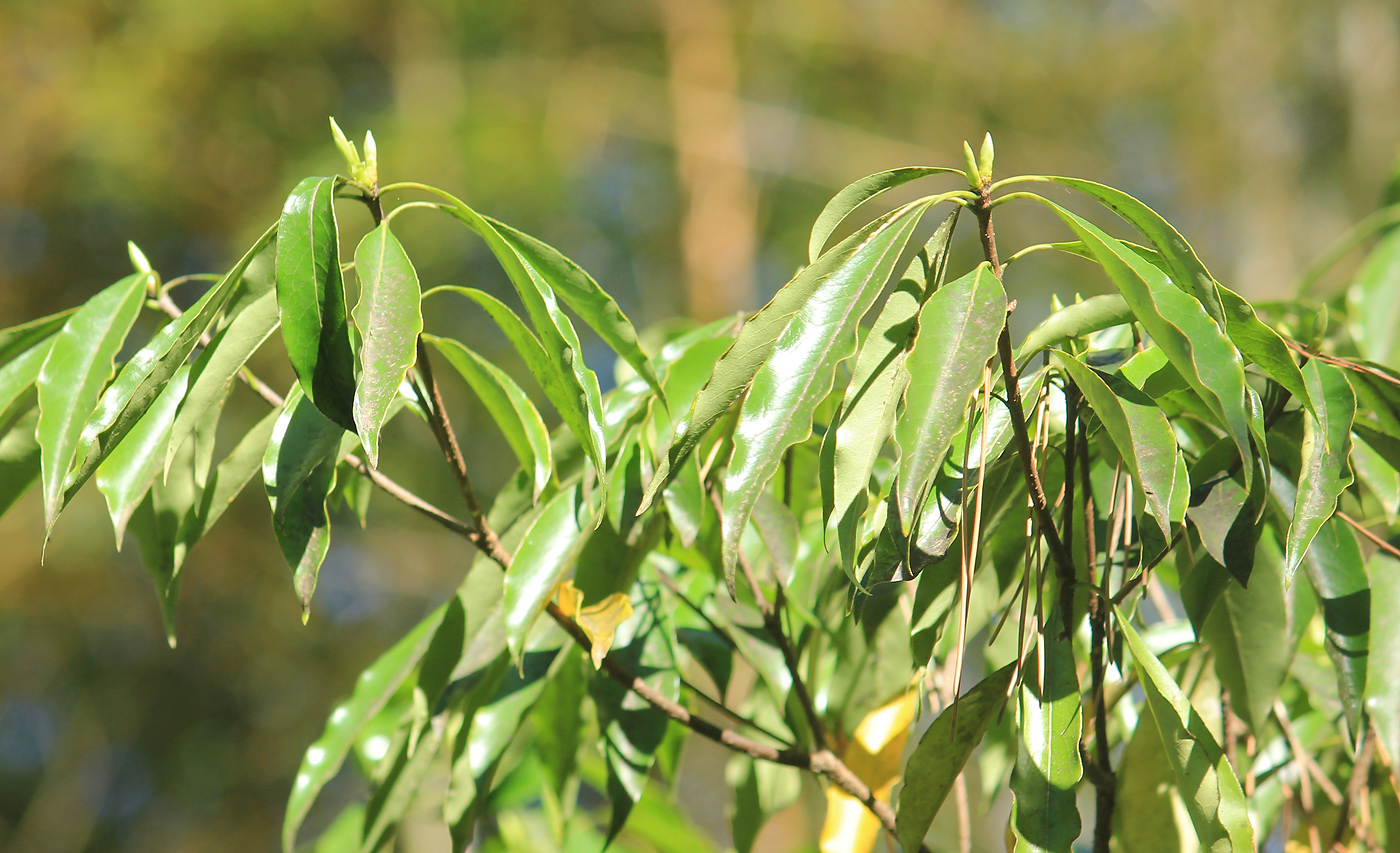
[311, 299]
[1075, 321]
[1383, 689]
[1207, 783]
[580, 292]
[508, 406]
[72, 377]
[373, 688]
[1337, 572]
[1374, 303]
[799, 372]
[1044, 815]
[1326, 459]
[155, 525]
[958, 330]
[299, 473]
[855, 194]
[213, 373]
[1263, 346]
[756, 340]
[389, 320]
[24, 337]
[128, 471]
[877, 382]
[19, 375]
[545, 556]
[144, 377]
[1184, 268]
[19, 460]
[1144, 438]
[1193, 341]
[578, 397]
[942, 752]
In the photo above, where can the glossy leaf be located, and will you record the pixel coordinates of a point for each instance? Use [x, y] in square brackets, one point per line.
[1382, 688]
[1337, 572]
[373, 688]
[1374, 303]
[1207, 783]
[393, 797]
[311, 299]
[1263, 346]
[543, 559]
[798, 374]
[508, 406]
[19, 460]
[73, 375]
[389, 321]
[1076, 321]
[1143, 436]
[1044, 815]
[941, 753]
[22, 338]
[227, 481]
[958, 330]
[855, 194]
[128, 471]
[19, 376]
[155, 524]
[1326, 458]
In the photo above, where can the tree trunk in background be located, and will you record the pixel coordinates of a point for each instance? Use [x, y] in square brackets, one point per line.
[717, 232]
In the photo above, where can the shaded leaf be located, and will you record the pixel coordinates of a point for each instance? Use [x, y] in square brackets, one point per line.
[1382, 688]
[389, 320]
[155, 524]
[20, 339]
[226, 482]
[1337, 572]
[872, 755]
[1326, 465]
[19, 376]
[19, 460]
[1044, 815]
[128, 471]
[1373, 301]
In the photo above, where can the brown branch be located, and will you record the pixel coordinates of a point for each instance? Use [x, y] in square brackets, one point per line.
[1365, 531]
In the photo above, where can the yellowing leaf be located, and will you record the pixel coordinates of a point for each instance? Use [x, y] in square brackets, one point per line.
[873, 755]
[599, 621]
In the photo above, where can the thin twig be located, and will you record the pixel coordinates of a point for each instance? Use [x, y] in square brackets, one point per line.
[1364, 531]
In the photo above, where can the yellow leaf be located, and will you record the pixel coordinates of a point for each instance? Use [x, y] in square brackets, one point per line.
[600, 621]
[570, 599]
[873, 755]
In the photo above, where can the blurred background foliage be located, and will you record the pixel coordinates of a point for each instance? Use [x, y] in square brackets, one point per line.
[678, 149]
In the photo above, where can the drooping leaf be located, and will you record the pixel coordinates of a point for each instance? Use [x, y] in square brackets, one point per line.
[19, 460]
[227, 481]
[373, 688]
[958, 330]
[19, 376]
[799, 372]
[1382, 688]
[398, 791]
[1263, 346]
[1044, 815]
[855, 194]
[1373, 303]
[73, 375]
[155, 524]
[1207, 783]
[22, 338]
[1076, 321]
[543, 559]
[311, 299]
[1337, 572]
[508, 406]
[1326, 459]
[1148, 816]
[389, 320]
[1143, 436]
[941, 753]
[128, 471]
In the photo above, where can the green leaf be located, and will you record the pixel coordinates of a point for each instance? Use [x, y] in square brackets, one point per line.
[867, 413]
[24, 337]
[373, 689]
[1263, 346]
[858, 193]
[1383, 689]
[128, 471]
[799, 372]
[212, 376]
[19, 375]
[398, 791]
[156, 526]
[571, 283]
[1337, 571]
[19, 460]
[1373, 303]
[1143, 436]
[941, 753]
[759, 335]
[1145, 819]
[1190, 338]
[389, 320]
[299, 473]
[508, 406]
[73, 375]
[146, 375]
[543, 560]
[958, 330]
[311, 299]
[1184, 268]
[1326, 460]
[227, 481]
[1205, 779]
[1044, 815]
[1076, 321]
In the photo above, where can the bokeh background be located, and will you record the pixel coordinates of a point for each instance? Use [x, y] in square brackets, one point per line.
[678, 149]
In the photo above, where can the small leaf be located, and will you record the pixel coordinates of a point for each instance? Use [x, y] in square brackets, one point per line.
[941, 753]
[1044, 815]
[508, 406]
[544, 557]
[1205, 779]
[373, 689]
[1076, 321]
[73, 375]
[1326, 458]
[854, 195]
[389, 321]
[599, 621]
[1382, 688]
[125, 476]
[799, 372]
[311, 299]
[22, 338]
